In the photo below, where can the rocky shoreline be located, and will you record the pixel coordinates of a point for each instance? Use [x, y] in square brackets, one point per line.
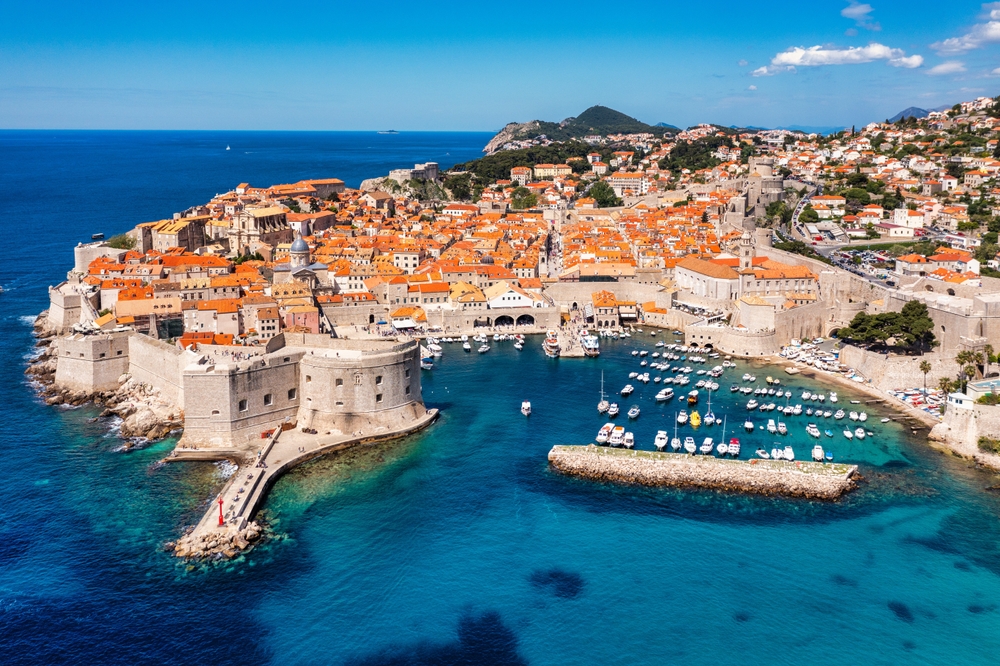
[760, 477]
[144, 415]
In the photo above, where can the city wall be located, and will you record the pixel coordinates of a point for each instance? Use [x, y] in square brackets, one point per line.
[960, 430]
[887, 371]
[159, 364]
[92, 363]
[580, 293]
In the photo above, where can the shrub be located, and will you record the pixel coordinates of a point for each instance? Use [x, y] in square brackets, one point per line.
[989, 445]
[989, 399]
[121, 242]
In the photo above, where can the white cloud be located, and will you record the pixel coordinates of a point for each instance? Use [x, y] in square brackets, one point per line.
[859, 13]
[816, 56]
[980, 35]
[949, 67]
[752, 88]
[743, 63]
[996, 72]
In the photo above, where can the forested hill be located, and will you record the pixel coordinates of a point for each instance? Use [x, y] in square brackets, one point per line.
[597, 120]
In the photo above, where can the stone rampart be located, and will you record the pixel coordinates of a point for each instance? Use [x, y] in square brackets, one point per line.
[159, 364]
[960, 430]
[889, 371]
[581, 293]
[92, 363]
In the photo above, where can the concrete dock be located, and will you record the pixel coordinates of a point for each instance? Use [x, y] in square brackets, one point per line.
[246, 490]
[813, 480]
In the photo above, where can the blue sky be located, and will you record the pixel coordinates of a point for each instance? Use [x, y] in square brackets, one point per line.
[475, 66]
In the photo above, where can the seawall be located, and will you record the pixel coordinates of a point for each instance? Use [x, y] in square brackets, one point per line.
[762, 477]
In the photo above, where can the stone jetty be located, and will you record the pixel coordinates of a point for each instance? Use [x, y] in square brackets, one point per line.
[826, 481]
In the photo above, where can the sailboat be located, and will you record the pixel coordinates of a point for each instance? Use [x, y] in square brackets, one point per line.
[709, 416]
[227, 147]
[675, 443]
[603, 405]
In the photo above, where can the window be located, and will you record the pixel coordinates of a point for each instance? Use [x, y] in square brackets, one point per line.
[378, 380]
[103, 354]
[118, 353]
[243, 405]
[215, 412]
[308, 378]
[407, 389]
[292, 393]
[268, 399]
[407, 372]
[378, 397]
[340, 382]
[339, 403]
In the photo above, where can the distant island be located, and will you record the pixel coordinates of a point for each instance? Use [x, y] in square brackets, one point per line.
[595, 121]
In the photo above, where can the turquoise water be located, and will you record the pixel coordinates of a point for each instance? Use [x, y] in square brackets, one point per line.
[457, 545]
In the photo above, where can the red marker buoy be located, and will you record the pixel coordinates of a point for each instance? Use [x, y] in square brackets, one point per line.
[221, 521]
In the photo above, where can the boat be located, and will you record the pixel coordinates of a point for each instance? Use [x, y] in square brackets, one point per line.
[388, 132]
[551, 344]
[734, 447]
[526, 408]
[818, 453]
[839, 415]
[748, 425]
[227, 147]
[591, 346]
[664, 395]
[788, 453]
[633, 412]
[629, 440]
[643, 353]
[466, 346]
[859, 433]
[635, 352]
[862, 416]
[613, 410]
[427, 363]
[518, 346]
[604, 433]
[833, 396]
[689, 445]
[806, 395]
[617, 436]
[762, 453]
[695, 419]
[693, 397]
[885, 420]
[812, 430]
[853, 416]
[848, 434]
[660, 441]
[828, 433]
[706, 446]
[777, 454]
[483, 349]
[829, 456]
[782, 428]
[603, 405]
[100, 236]
[682, 417]
[771, 428]
[627, 390]
[751, 405]
[855, 402]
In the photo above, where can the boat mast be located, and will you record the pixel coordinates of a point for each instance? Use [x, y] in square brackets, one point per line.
[723, 428]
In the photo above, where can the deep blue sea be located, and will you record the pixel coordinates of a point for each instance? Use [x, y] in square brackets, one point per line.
[457, 546]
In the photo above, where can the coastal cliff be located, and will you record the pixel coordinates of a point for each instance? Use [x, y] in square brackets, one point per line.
[513, 132]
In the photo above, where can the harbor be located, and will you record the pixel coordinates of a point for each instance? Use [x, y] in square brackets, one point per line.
[653, 468]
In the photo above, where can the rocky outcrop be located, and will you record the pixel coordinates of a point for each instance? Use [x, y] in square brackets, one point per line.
[216, 545]
[761, 477]
[511, 132]
[960, 430]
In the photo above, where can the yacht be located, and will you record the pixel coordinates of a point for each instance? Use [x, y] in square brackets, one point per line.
[551, 344]
[591, 346]
[664, 395]
[682, 417]
[689, 445]
[603, 405]
[604, 433]
[526, 408]
[617, 436]
[660, 442]
[483, 349]
[633, 412]
[627, 391]
[629, 441]
[748, 425]
[466, 346]
[853, 416]
[762, 453]
[752, 405]
[862, 416]
[613, 410]
[782, 428]
[859, 433]
[839, 414]
[833, 396]
[813, 430]
[848, 434]
[734, 447]
[722, 448]
[771, 428]
[693, 397]
[706, 446]
[818, 453]
[788, 453]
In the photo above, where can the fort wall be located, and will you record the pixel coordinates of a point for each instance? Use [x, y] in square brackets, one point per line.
[92, 362]
[889, 371]
[159, 364]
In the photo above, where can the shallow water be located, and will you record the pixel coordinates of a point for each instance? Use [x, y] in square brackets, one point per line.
[459, 545]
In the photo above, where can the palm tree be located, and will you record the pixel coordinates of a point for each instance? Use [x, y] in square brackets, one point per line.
[945, 385]
[990, 358]
[963, 359]
[925, 367]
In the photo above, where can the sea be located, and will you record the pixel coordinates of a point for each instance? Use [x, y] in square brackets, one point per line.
[458, 545]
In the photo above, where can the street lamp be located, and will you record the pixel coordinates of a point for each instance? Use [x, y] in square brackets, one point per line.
[222, 521]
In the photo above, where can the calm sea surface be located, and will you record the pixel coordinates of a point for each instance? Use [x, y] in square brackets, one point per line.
[458, 545]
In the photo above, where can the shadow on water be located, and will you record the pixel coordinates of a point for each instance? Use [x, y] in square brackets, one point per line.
[482, 639]
[563, 584]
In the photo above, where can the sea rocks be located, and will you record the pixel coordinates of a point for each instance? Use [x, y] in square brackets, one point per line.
[214, 545]
[758, 477]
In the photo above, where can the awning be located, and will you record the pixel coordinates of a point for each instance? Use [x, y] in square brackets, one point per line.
[404, 323]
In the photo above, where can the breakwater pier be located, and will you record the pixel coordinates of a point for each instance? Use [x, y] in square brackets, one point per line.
[827, 481]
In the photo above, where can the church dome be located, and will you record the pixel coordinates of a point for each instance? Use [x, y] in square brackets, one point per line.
[299, 245]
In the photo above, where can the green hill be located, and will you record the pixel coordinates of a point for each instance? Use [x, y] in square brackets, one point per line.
[597, 120]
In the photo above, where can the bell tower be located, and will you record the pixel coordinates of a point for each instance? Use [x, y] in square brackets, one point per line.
[746, 251]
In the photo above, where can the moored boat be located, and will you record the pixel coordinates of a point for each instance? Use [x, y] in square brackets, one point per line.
[604, 433]
[526, 408]
[818, 453]
[660, 441]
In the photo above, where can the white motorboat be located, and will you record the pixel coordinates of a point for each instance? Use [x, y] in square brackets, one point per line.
[813, 430]
[689, 445]
[633, 375]
[839, 415]
[706, 446]
[776, 454]
[617, 436]
[613, 410]
[771, 428]
[604, 433]
[782, 428]
[722, 448]
[660, 441]
[734, 447]
[806, 395]
[818, 454]
[465, 338]
[664, 395]
[859, 433]
[848, 434]
[635, 352]
[762, 453]
[629, 440]
[518, 346]
[682, 417]
[633, 412]
[862, 416]
[788, 453]
[751, 405]
[833, 396]
[885, 420]
[526, 408]
[748, 425]
[466, 346]
[627, 391]
[853, 416]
